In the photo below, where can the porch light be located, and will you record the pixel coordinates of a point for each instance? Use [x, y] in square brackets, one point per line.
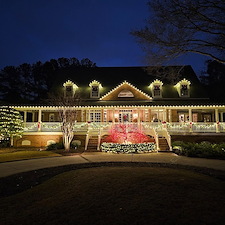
[116, 115]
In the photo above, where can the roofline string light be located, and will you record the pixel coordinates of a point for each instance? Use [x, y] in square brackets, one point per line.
[95, 83]
[70, 83]
[159, 82]
[120, 85]
[184, 81]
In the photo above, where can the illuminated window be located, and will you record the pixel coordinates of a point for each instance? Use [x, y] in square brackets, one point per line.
[95, 89]
[95, 116]
[156, 88]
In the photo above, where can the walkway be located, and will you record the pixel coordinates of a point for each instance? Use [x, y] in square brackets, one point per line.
[10, 168]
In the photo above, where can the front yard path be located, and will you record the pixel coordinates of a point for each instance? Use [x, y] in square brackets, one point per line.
[10, 168]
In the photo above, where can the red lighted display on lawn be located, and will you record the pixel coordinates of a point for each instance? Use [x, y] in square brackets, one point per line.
[126, 133]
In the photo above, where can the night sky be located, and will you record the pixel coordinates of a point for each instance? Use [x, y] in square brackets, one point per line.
[40, 30]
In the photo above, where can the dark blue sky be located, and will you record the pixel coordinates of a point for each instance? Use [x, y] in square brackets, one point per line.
[39, 30]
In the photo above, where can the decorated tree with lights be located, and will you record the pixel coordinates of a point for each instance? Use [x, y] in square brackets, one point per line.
[126, 133]
[11, 124]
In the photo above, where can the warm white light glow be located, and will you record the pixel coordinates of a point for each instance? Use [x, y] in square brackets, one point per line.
[125, 82]
[70, 83]
[95, 83]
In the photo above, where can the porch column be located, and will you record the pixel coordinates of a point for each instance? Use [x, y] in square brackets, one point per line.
[33, 116]
[190, 119]
[217, 120]
[138, 119]
[164, 115]
[113, 116]
[216, 115]
[170, 116]
[221, 117]
[88, 115]
[24, 117]
[102, 118]
[82, 115]
[190, 115]
[39, 120]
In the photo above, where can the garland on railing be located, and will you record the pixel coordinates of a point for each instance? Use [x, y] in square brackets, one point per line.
[29, 128]
[98, 125]
[52, 127]
[128, 148]
[205, 126]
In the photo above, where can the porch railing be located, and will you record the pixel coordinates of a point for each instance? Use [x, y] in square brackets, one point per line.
[173, 127]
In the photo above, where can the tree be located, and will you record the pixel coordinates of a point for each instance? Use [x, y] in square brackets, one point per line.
[11, 124]
[67, 108]
[177, 27]
[214, 79]
[10, 84]
[31, 82]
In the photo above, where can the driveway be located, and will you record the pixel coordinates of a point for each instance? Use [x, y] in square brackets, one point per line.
[10, 168]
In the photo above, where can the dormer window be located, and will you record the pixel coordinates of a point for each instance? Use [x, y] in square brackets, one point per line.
[95, 89]
[156, 88]
[183, 88]
[70, 88]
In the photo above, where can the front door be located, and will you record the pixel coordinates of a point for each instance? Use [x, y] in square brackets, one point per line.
[125, 116]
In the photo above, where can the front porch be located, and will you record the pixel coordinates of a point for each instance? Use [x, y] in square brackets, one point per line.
[93, 123]
[93, 132]
[171, 127]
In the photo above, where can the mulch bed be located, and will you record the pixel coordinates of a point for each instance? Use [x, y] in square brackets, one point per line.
[22, 181]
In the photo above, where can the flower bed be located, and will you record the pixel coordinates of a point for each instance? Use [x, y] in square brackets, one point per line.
[128, 148]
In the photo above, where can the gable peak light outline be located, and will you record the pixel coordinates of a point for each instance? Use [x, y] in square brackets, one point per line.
[120, 85]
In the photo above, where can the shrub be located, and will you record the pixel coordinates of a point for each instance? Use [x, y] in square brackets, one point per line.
[4, 143]
[55, 146]
[203, 150]
[75, 144]
[127, 148]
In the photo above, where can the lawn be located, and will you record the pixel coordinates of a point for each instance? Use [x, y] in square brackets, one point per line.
[13, 154]
[119, 195]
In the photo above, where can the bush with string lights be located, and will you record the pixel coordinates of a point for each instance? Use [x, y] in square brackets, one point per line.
[11, 124]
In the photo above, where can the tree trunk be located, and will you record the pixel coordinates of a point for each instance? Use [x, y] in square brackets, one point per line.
[67, 138]
[11, 141]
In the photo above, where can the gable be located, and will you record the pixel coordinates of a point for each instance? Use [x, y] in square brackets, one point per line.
[125, 91]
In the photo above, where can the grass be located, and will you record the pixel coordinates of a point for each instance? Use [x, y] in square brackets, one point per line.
[13, 154]
[119, 195]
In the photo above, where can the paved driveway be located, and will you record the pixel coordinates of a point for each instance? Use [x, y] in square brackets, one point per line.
[10, 168]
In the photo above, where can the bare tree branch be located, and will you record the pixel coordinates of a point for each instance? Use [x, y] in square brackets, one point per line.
[177, 27]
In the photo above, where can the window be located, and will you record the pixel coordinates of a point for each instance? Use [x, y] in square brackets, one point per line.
[125, 115]
[95, 89]
[69, 88]
[95, 116]
[156, 91]
[156, 88]
[94, 92]
[183, 88]
[69, 91]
